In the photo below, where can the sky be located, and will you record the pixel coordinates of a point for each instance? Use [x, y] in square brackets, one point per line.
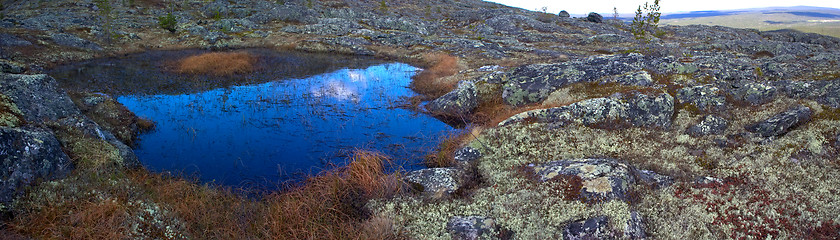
[577, 7]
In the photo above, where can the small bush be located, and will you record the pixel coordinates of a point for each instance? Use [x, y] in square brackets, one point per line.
[646, 21]
[168, 22]
[217, 63]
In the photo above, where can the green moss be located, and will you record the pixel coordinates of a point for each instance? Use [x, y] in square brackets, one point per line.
[86, 151]
[10, 115]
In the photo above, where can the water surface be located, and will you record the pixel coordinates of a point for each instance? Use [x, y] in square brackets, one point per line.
[280, 129]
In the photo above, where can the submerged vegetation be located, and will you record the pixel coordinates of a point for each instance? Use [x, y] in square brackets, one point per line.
[217, 63]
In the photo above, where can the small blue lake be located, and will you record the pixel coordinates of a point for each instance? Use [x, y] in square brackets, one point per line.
[280, 130]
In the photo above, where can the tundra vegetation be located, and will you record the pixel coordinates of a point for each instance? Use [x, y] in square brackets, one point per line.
[574, 128]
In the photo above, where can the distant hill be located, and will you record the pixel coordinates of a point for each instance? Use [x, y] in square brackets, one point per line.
[820, 20]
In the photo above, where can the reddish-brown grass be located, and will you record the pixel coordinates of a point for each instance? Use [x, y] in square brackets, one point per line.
[217, 63]
[326, 206]
[445, 155]
[429, 81]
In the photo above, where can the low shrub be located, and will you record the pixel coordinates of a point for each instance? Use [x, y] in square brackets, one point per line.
[168, 22]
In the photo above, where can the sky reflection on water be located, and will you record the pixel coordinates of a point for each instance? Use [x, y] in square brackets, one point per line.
[260, 134]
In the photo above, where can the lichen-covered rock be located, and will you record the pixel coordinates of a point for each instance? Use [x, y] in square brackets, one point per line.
[753, 93]
[603, 178]
[594, 17]
[10, 115]
[70, 40]
[654, 179]
[606, 38]
[633, 108]
[635, 227]
[517, 24]
[9, 40]
[27, 155]
[593, 228]
[781, 123]
[638, 78]
[126, 157]
[706, 98]
[471, 227]
[7, 66]
[459, 102]
[824, 92]
[467, 154]
[710, 124]
[438, 181]
[533, 83]
[37, 97]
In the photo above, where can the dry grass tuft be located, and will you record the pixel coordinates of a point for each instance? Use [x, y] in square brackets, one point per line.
[445, 155]
[431, 80]
[217, 63]
[98, 203]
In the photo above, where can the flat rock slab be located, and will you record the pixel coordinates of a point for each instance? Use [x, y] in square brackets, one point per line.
[603, 178]
[533, 83]
[436, 180]
[471, 228]
[37, 96]
[634, 109]
[593, 228]
[26, 155]
[710, 125]
[781, 123]
[706, 98]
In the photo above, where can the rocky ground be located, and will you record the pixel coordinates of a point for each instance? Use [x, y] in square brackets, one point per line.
[578, 129]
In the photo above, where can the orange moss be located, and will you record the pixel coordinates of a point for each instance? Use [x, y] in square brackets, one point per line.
[429, 81]
[217, 63]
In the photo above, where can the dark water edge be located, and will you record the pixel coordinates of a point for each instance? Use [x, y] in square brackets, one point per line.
[298, 115]
[151, 72]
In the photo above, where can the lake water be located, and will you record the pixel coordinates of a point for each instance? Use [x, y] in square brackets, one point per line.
[275, 129]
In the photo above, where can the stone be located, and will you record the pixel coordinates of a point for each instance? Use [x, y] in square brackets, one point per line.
[753, 93]
[26, 156]
[706, 98]
[471, 227]
[9, 40]
[7, 66]
[534, 82]
[638, 78]
[603, 178]
[635, 227]
[10, 115]
[781, 123]
[710, 125]
[467, 154]
[606, 38]
[436, 181]
[93, 130]
[824, 92]
[70, 40]
[457, 103]
[592, 228]
[654, 179]
[563, 14]
[37, 96]
[594, 17]
[628, 109]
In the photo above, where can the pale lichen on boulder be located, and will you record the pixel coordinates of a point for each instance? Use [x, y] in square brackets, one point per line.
[781, 123]
[633, 108]
[603, 178]
[26, 156]
[438, 182]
